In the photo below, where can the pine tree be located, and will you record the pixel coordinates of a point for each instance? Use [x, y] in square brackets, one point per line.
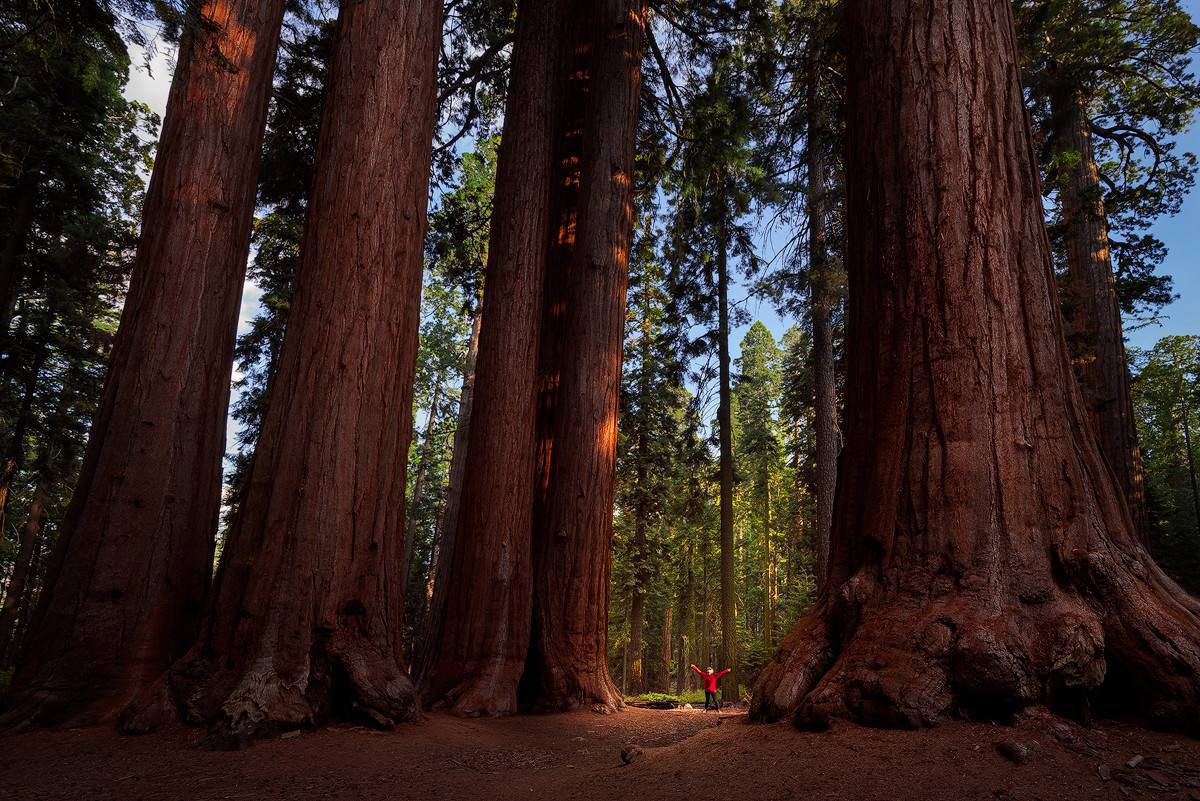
[756, 398]
[1111, 92]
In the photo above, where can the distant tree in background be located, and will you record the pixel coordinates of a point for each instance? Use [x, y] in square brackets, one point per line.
[759, 461]
[1166, 401]
[73, 152]
[1110, 88]
[653, 405]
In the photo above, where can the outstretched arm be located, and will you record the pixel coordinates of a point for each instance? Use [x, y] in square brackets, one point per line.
[698, 670]
[723, 672]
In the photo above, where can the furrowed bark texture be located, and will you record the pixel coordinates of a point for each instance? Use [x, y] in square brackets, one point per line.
[439, 566]
[573, 522]
[825, 412]
[306, 617]
[478, 653]
[526, 620]
[1094, 330]
[983, 558]
[125, 588]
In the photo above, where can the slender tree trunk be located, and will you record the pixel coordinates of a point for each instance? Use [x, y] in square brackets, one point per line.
[14, 244]
[478, 652]
[14, 455]
[27, 544]
[768, 618]
[725, 424]
[823, 298]
[436, 584]
[1094, 329]
[573, 519]
[687, 624]
[983, 557]
[666, 650]
[306, 616]
[637, 602]
[126, 583]
[410, 522]
[28, 600]
[625, 670]
[1191, 460]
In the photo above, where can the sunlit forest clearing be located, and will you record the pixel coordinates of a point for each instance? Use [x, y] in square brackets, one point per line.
[598, 398]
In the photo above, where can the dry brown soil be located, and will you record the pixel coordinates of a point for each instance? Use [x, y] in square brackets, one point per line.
[684, 754]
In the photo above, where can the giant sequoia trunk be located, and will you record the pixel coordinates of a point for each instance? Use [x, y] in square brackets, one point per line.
[983, 558]
[477, 654]
[573, 523]
[306, 615]
[526, 616]
[125, 587]
[1093, 314]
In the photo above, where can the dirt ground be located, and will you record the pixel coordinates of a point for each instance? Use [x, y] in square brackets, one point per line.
[683, 754]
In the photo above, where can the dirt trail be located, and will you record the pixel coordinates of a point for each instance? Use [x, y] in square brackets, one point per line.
[685, 754]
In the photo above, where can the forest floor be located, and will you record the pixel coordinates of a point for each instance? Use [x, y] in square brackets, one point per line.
[683, 754]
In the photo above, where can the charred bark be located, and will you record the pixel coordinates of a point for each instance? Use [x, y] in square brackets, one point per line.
[125, 586]
[983, 557]
[306, 616]
[477, 654]
[1093, 319]
[729, 690]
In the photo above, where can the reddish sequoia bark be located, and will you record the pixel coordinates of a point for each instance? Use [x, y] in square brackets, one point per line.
[125, 586]
[478, 653]
[983, 558]
[825, 412]
[306, 616]
[573, 530]
[439, 564]
[530, 625]
[1093, 314]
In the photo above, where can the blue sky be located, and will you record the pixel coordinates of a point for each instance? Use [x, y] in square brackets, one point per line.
[1182, 237]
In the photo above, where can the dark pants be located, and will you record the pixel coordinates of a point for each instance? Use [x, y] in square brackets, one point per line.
[712, 698]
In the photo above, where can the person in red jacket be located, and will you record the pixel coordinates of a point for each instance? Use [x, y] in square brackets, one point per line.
[710, 687]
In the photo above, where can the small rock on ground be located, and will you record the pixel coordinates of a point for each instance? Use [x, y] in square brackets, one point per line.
[1015, 751]
[630, 754]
